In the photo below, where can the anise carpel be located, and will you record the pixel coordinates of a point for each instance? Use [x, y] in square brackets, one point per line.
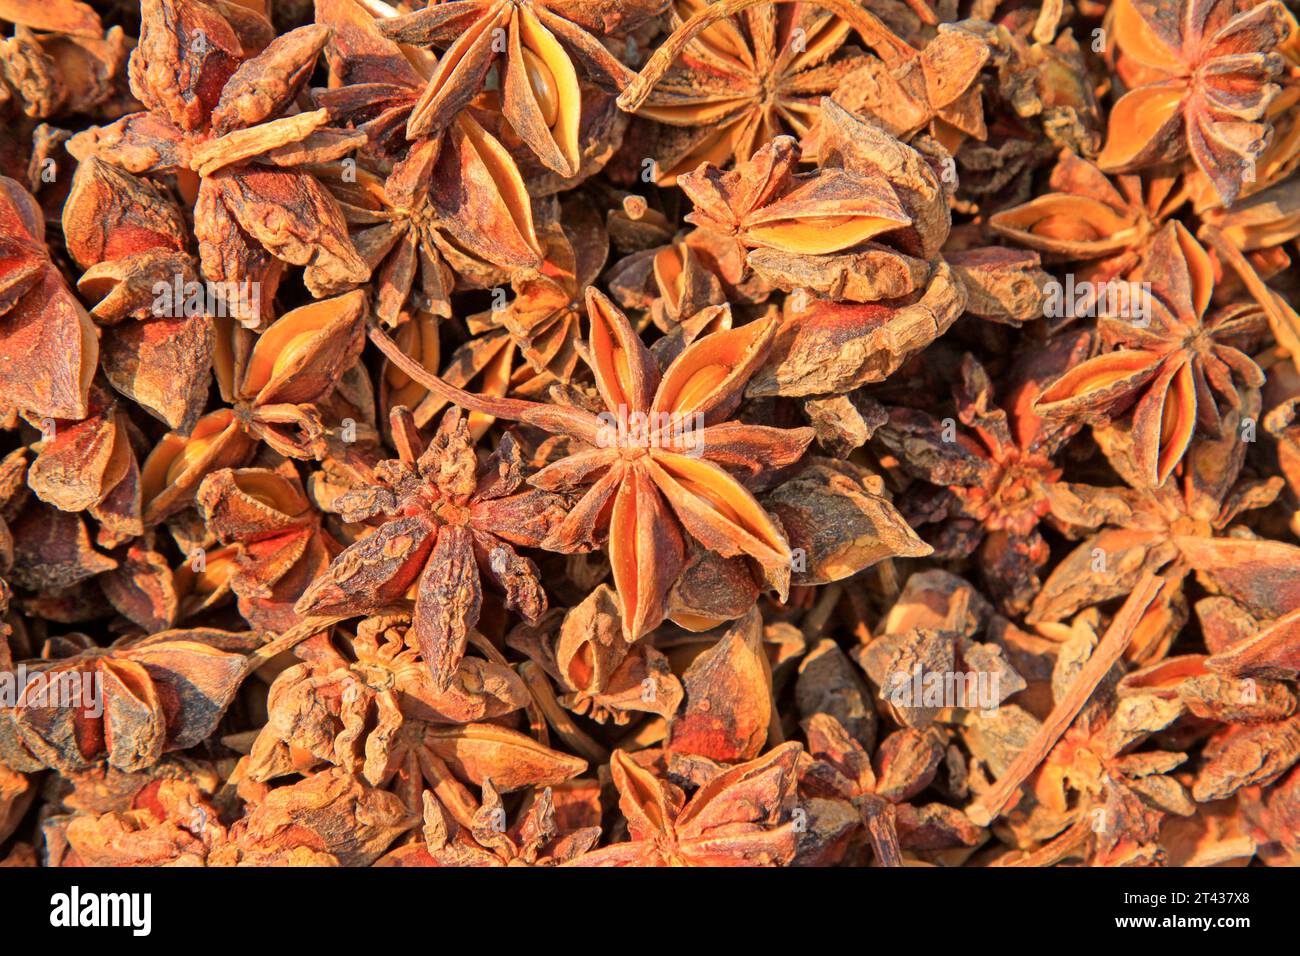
[220, 115]
[1200, 76]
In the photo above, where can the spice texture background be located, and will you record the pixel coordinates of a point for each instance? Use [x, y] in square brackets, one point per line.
[649, 433]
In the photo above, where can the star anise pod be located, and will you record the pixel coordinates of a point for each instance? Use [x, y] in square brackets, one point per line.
[1168, 365]
[542, 835]
[448, 520]
[544, 318]
[158, 356]
[280, 544]
[742, 817]
[222, 119]
[90, 465]
[159, 693]
[61, 60]
[882, 800]
[744, 80]
[278, 383]
[602, 677]
[453, 208]
[992, 485]
[764, 204]
[747, 76]
[49, 345]
[1200, 77]
[535, 48]
[1129, 530]
[1088, 219]
[368, 704]
[1093, 778]
[654, 469]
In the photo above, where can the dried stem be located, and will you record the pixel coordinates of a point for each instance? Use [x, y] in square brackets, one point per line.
[569, 421]
[558, 717]
[294, 636]
[993, 803]
[1049, 854]
[882, 830]
[874, 33]
[814, 622]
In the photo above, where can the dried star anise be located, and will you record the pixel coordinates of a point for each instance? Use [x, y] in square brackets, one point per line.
[1168, 361]
[346, 520]
[656, 466]
[448, 519]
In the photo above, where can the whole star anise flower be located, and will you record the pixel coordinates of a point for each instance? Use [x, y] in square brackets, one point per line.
[1200, 75]
[1087, 218]
[222, 119]
[1169, 363]
[1126, 531]
[742, 817]
[449, 520]
[454, 207]
[366, 703]
[542, 835]
[744, 80]
[1093, 778]
[748, 75]
[992, 485]
[538, 48]
[654, 468]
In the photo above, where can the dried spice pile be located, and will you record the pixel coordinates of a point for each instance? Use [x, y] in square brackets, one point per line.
[649, 432]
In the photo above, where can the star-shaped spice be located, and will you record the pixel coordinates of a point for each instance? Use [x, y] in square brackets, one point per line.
[542, 835]
[742, 817]
[654, 469]
[745, 80]
[1087, 218]
[1200, 75]
[1127, 531]
[448, 520]
[366, 703]
[536, 49]
[991, 486]
[1171, 357]
[278, 383]
[220, 115]
[454, 205]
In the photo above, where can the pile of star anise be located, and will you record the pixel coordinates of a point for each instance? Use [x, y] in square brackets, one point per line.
[649, 432]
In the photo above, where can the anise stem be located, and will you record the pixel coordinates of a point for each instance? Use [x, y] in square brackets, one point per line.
[498, 407]
[882, 830]
[994, 803]
[873, 32]
[558, 718]
[287, 640]
[556, 419]
[1062, 847]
